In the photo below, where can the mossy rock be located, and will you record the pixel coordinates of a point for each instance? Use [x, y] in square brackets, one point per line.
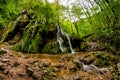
[83, 46]
[52, 47]
[2, 52]
[31, 40]
[105, 59]
[16, 47]
[8, 31]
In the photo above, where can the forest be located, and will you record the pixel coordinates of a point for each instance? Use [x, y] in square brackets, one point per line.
[59, 40]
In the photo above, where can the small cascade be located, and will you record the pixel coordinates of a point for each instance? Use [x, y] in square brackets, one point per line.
[60, 32]
[59, 38]
[93, 69]
[67, 35]
[90, 68]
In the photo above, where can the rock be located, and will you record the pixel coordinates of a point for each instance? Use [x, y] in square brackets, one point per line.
[58, 65]
[88, 59]
[33, 62]
[37, 75]
[2, 67]
[56, 69]
[27, 65]
[118, 66]
[77, 63]
[5, 60]
[16, 64]
[22, 74]
[52, 47]
[46, 63]
[6, 71]
[72, 66]
[26, 57]
[118, 52]
[29, 71]
[2, 51]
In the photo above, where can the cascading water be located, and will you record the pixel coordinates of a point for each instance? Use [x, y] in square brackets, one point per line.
[67, 35]
[60, 32]
[59, 39]
[93, 69]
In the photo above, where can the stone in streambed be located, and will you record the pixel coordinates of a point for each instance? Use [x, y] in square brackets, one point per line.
[88, 59]
[118, 66]
[29, 71]
[5, 60]
[2, 67]
[16, 63]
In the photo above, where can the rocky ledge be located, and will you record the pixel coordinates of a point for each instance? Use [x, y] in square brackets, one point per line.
[19, 66]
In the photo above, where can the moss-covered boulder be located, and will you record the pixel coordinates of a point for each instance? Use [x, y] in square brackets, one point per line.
[104, 59]
[14, 30]
[29, 34]
[51, 47]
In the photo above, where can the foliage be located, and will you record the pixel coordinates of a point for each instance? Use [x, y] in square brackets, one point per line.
[99, 19]
[105, 59]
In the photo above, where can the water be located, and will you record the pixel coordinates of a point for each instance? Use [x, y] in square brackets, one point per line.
[93, 69]
[60, 32]
[59, 39]
[70, 45]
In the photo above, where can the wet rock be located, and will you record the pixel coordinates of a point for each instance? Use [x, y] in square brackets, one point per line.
[70, 66]
[118, 52]
[22, 74]
[118, 66]
[78, 64]
[58, 65]
[46, 62]
[37, 75]
[5, 60]
[56, 69]
[88, 59]
[26, 57]
[29, 71]
[33, 62]
[2, 67]
[6, 71]
[52, 47]
[2, 51]
[16, 64]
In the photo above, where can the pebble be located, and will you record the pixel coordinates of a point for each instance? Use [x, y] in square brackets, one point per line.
[118, 66]
[5, 60]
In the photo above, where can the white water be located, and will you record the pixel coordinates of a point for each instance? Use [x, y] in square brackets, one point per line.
[92, 68]
[70, 45]
[59, 39]
[60, 32]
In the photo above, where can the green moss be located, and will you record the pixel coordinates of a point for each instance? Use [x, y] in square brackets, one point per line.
[36, 44]
[16, 47]
[83, 46]
[8, 31]
[52, 47]
[2, 52]
[105, 59]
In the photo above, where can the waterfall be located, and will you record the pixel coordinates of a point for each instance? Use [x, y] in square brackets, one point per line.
[72, 51]
[93, 69]
[59, 39]
[60, 32]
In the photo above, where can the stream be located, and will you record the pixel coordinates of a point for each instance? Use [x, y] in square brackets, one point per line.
[47, 66]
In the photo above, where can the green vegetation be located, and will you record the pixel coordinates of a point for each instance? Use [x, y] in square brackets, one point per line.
[105, 59]
[97, 22]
